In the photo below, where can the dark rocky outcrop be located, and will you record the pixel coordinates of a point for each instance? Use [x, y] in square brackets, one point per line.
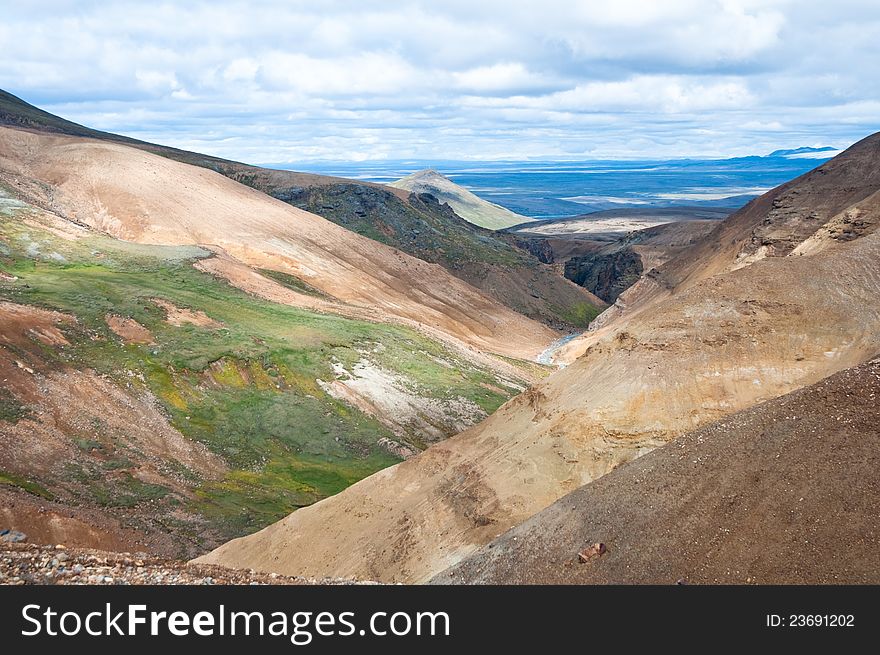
[538, 248]
[606, 275]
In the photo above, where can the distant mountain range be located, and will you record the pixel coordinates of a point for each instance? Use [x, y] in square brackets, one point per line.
[806, 152]
[555, 189]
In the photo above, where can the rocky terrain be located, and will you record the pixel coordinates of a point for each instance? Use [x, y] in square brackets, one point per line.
[783, 493]
[607, 252]
[835, 203]
[30, 564]
[469, 206]
[732, 332]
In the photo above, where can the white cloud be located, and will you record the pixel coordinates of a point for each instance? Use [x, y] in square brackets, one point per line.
[366, 74]
[512, 76]
[154, 81]
[763, 126]
[668, 94]
[277, 80]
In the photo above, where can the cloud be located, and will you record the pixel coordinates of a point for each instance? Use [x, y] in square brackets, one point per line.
[289, 80]
[642, 93]
[504, 77]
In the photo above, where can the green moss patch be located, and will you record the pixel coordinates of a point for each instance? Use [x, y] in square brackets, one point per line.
[26, 485]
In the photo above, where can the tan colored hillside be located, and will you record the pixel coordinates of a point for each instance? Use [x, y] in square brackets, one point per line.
[137, 196]
[722, 342]
[465, 203]
[783, 493]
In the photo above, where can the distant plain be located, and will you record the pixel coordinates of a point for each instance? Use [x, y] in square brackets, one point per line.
[547, 189]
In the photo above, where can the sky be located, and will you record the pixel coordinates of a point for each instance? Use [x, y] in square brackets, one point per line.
[289, 81]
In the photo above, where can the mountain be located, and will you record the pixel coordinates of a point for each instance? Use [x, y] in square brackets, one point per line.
[785, 492]
[186, 359]
[422, 227]
[780, 295]
[469, 206]
[804, 152]
[417, 226]
[153, 200]
[832, 204]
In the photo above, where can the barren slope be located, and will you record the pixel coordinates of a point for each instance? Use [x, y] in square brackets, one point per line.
[786, 492]
[466, 204]
[422, 227]
[137, 196]
[834, 203]
[719, 345]
[417, 226]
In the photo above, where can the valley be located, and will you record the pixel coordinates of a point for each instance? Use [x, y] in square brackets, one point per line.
[714, 330]
[327, 378]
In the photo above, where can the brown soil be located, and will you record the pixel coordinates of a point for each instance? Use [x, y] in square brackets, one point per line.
[784, 493]
[51, 522]
[129, 329]
[179, 316]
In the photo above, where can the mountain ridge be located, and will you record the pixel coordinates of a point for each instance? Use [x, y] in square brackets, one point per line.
[389, 215]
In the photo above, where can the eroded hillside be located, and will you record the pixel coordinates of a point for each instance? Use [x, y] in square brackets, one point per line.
[149, 405]
[782, 493]
[732, 336]
[418, 226]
